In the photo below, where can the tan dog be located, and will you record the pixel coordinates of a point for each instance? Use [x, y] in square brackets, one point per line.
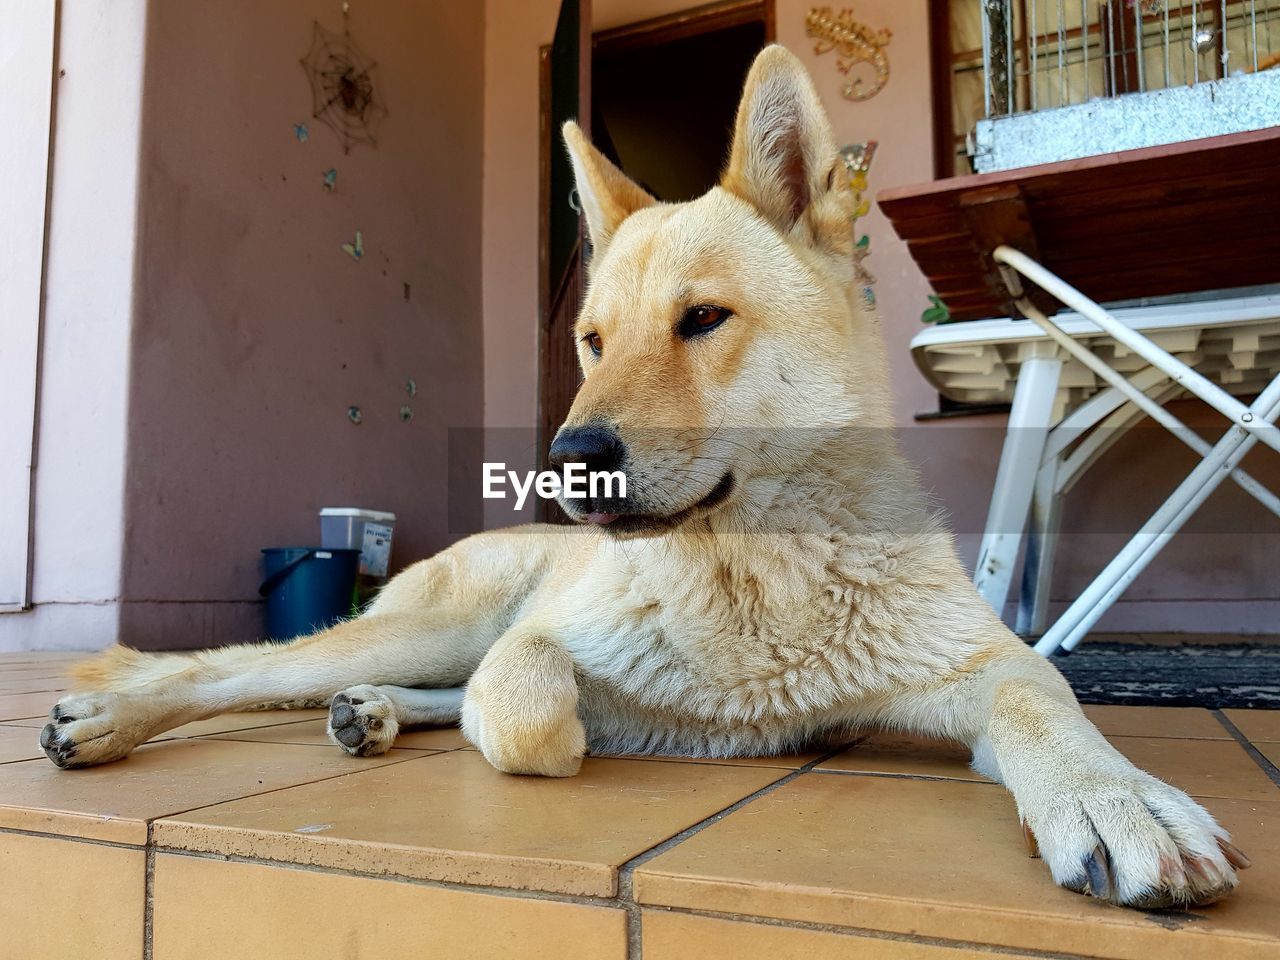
[772, 577]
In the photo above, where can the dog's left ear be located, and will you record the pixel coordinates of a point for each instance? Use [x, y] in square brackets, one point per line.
[608, 195]
[783, 149]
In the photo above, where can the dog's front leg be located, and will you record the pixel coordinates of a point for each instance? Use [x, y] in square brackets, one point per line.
[521, 706]
[1103, 826]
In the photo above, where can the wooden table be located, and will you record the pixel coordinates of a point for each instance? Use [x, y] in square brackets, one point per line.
[1183, 218]
[1180, 219]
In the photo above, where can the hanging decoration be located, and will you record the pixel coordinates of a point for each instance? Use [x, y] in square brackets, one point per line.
[355, 250]
[854, 43]
[342, 92]
[857, 163]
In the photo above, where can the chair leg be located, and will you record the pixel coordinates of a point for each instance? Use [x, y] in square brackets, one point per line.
[1042, 546]
[1108, 586]
[1024, 441]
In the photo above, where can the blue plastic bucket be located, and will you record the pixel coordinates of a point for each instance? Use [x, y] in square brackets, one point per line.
[307, 589]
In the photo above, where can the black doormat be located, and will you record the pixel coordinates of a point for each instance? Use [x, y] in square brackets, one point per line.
[1214, 676]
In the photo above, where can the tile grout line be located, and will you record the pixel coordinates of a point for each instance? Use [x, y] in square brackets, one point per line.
[1254, 753]
[70, 838]
[927, 778]
[625, 892]
[148, 900]
[518, 893]
[869, 933]
[288, 786]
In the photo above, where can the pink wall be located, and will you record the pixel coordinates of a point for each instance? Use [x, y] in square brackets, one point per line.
[1219, 576]
[254, 332]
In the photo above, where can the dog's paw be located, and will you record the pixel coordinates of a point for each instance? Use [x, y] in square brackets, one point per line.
[362, 721]
[547, 743]
[1136, 841]
[89, 728]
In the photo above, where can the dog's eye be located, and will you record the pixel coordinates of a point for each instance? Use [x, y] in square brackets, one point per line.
[593, 341]
[702, 319]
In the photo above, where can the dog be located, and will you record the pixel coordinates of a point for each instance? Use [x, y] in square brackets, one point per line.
[773, 576]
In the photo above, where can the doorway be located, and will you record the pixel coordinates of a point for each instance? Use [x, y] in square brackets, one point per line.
[661, 96]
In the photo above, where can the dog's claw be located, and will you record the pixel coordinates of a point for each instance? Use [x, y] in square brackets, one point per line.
[1098, 871]
[48, 736]
[1029, 838]
[1203, 868]
[55, 748]
[1172, 873]
[1235, 856]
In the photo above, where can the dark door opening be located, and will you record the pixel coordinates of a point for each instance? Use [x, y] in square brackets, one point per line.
[664, 112]
[663, 95]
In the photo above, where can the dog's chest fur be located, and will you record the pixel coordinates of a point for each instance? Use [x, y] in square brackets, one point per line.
[758, 638]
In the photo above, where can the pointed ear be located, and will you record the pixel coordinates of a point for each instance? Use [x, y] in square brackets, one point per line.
[607, 194]
[783, 149]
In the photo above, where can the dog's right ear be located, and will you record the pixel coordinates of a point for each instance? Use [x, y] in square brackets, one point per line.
[783, 149]
[607, 194]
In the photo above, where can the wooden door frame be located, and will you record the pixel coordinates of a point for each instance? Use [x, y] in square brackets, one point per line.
[28, 175]
[632, 36]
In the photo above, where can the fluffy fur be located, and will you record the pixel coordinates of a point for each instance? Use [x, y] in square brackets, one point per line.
[820, 596]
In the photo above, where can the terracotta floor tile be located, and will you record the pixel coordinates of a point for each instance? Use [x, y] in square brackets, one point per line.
[312, 733]
[902, 755]
[26, 670]
[32, 685]
[214, 909]
[19, 743]
[1203, 768]
[250, 719]
[945, 859]
[1271, 751]
[42, 917]
[1260, 726]
[41, 656]
[115, 801]
[21, 706]
[789, 761]
[454, 817]
[680, 936]
[1183, 722]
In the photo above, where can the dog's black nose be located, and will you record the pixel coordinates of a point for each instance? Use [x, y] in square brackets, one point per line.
[597, 448]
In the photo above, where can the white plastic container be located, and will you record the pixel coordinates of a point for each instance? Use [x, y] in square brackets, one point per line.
[354, 528]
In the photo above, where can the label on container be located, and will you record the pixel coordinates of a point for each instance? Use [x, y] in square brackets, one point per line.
[375, 552]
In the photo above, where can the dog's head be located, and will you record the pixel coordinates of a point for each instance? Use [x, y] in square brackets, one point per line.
[717, 336]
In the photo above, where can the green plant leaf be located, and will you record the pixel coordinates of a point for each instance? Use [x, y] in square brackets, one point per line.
[937, 313]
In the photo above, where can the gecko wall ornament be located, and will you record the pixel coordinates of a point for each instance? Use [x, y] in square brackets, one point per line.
[855, 43]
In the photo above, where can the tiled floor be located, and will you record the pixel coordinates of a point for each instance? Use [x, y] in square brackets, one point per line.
[249, 836]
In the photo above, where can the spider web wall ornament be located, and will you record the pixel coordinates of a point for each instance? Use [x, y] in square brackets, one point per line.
[341, 87]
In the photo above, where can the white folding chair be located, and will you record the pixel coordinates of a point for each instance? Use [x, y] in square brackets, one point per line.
[1036, 467]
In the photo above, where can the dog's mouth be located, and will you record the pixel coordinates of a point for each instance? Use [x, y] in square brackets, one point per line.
[624, 523]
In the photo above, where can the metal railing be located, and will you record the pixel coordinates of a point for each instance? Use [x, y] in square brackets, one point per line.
[1038, 54]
